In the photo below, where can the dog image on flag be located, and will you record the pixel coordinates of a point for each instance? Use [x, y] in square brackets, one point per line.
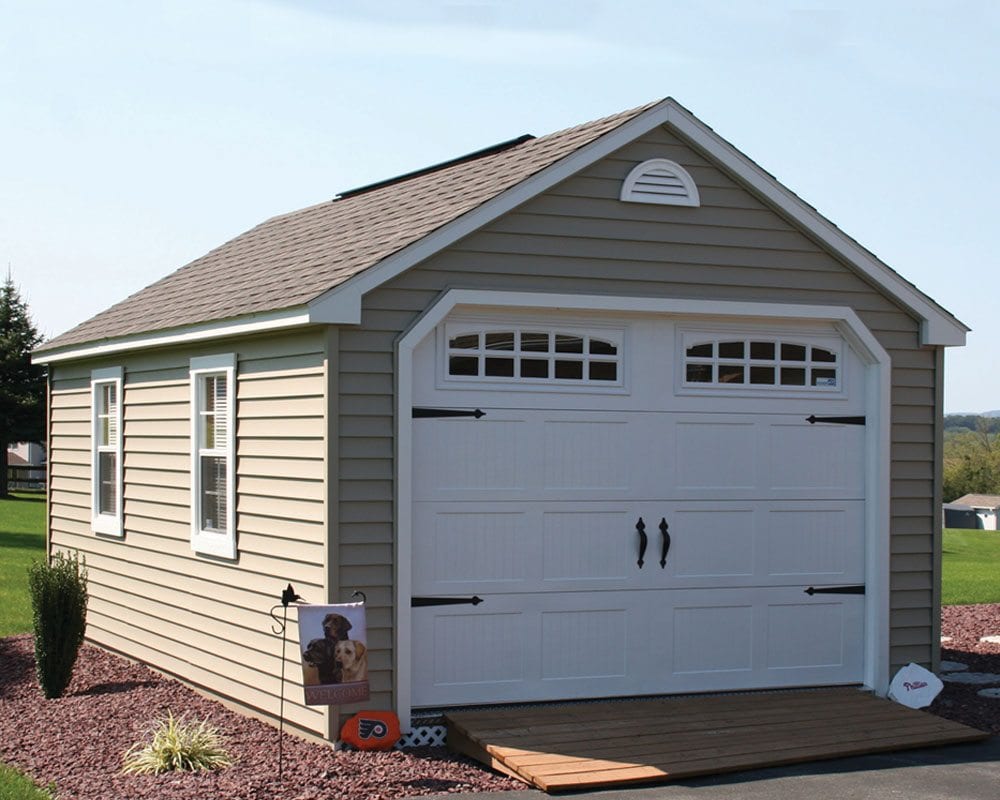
[334, 651]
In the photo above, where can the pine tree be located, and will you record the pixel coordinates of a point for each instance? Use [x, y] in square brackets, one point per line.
[22, 384]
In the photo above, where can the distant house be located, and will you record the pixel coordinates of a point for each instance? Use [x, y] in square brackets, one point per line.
[603, 413]
[986, 507]
[27, 464]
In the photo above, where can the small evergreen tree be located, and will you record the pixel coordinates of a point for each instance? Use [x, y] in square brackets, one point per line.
[58, 591]
[22, 384]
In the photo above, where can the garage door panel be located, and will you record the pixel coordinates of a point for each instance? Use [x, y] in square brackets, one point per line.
[469, 454]
[712, 639]
[586, 546]
[712, 542]
[760, 543]
[813, 542]
[587, 454]
[759, 638]
[535, 647]
[714, 454]
[470, 548]
[806, 635]
[817, 459]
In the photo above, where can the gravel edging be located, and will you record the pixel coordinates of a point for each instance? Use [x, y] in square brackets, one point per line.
[78, 740]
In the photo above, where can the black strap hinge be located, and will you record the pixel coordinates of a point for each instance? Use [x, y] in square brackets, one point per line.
[418, 602]
[426, 413]
[812, 419]
[856, 589]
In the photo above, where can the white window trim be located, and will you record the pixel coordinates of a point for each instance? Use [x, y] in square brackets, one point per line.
[691, 337]
[213, 543]
[106, 524]
[584, 384]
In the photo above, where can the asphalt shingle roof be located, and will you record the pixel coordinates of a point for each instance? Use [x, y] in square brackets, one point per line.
[293, 258]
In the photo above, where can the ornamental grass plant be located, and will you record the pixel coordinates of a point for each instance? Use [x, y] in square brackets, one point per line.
[58, 589]
[177, 744]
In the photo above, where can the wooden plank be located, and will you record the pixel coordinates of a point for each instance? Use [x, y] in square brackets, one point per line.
[588, 745]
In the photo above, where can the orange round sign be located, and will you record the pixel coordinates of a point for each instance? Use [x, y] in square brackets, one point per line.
[371, 730]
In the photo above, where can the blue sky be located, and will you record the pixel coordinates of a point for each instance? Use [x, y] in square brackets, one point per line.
[137, 136]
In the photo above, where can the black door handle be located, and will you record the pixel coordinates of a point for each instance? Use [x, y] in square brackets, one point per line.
[643, 540]
[666, 543]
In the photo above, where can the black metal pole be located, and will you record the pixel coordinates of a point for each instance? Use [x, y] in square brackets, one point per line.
[281, 701]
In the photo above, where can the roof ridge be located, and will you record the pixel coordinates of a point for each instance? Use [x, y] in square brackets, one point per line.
[451, 162]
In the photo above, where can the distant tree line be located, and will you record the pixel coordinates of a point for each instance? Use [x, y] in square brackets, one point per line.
[971, 456]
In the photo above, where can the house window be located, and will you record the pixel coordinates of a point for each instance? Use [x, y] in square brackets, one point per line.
[213, 524]
[106, 454]
[760, 363]
[535, 355]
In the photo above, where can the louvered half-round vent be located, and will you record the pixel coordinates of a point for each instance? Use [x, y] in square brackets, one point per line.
[660, 181]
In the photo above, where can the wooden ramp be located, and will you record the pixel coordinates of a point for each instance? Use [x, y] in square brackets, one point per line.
[586, 745]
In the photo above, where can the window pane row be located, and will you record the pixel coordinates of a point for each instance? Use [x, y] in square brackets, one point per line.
[532, 342]
[533, 355]
[758, 362]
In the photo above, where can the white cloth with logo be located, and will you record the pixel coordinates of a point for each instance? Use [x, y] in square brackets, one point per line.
[915, 687]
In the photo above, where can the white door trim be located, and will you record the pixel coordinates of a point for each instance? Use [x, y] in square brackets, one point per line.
[874, 356]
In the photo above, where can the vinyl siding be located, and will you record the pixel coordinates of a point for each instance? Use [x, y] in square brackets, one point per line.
[203, 620]
[579, 238]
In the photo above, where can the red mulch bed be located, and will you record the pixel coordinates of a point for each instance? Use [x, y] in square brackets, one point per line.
[78, 740]
[961, 702]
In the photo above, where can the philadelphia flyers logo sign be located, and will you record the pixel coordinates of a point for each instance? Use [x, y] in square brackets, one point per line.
[371, 730]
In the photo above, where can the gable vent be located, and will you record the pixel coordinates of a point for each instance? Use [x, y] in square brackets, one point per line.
[660, 181]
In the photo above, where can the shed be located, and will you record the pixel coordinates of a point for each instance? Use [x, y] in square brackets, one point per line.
[986, 506]
[678, 431]
[958, 516]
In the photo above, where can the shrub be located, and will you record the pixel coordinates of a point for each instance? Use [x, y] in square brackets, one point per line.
[177, 744]
[59, 617]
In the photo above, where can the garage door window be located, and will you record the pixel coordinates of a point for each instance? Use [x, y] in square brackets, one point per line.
[760, 363]
[534, 355]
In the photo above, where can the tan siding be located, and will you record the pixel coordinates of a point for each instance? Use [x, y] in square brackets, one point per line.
[152, 598]
[579, 238]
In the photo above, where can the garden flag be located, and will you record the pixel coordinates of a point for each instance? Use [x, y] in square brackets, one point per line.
[334, 647]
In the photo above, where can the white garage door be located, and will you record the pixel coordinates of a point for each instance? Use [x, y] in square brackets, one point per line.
[605, 443]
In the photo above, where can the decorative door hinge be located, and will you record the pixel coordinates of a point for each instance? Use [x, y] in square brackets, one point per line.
[856, 589]
[424, 413]
[417, 602]
[813, 419]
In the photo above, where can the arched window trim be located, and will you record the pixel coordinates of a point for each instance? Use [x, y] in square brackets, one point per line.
[598, 362]
[757, 361]
[638, 186]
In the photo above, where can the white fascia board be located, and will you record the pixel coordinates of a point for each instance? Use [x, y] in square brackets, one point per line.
[342, 304]
[937, 326]
[255, 323]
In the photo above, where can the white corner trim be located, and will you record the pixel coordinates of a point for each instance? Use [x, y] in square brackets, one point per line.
[631, 194]
[107, 524]
[342, 304]
[878, 424]
[255, 323]
[220, 544]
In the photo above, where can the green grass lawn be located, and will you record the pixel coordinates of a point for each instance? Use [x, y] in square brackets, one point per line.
[15, 786]
[970, 567]
[22, 540]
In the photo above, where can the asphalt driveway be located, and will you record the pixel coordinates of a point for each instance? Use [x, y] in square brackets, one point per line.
[955, 772]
